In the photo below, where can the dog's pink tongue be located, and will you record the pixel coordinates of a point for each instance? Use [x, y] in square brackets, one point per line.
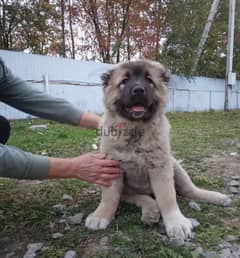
[138, 108]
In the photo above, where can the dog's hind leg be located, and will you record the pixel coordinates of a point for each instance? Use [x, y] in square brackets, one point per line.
[149, 206]
[185, 187]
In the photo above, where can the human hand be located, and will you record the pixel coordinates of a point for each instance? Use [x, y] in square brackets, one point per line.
[89, 120]
[95, 168]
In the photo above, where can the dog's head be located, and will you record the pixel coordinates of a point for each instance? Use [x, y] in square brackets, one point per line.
[136, 90]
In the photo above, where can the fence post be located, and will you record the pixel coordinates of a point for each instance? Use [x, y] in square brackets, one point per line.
[210, 100]
[46, 84]
[173, 104]
[237, 93]
[189, 100]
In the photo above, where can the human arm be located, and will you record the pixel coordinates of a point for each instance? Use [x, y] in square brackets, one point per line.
[93, 168]
[15, 163]
[17, 93]
[89, 120]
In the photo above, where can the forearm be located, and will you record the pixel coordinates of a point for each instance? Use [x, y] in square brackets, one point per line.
[89, 120]
[61, 168]
[15, 163]
[89, 167]
[17, 93]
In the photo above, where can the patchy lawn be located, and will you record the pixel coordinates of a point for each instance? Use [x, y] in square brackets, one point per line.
[208, 144]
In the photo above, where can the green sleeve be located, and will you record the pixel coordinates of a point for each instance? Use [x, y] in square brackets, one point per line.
[18, 94]
[15, 163]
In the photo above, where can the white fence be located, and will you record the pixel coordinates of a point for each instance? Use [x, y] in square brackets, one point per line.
[79, 83]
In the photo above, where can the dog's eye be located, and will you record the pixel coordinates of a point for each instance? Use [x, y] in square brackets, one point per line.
[149, 79]
[123, 82]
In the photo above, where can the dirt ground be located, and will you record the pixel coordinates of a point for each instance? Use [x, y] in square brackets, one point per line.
[223, 165]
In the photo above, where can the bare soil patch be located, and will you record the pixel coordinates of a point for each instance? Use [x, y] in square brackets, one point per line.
[223, 165]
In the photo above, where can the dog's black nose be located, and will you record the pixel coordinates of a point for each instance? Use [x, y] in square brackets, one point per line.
[138, 90]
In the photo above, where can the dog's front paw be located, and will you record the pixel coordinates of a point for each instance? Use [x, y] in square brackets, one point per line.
[224, 200]
[96, 223]
[150, 214]
[178, 227]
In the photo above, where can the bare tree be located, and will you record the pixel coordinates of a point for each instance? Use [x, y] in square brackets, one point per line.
[205, 33]
[63, 47]
[121, 29]
[9, 19]
[71, 29]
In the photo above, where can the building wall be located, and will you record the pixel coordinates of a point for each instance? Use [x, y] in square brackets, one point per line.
[79, 82]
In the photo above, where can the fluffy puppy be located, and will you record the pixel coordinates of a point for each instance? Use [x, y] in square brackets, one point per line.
[135, 130]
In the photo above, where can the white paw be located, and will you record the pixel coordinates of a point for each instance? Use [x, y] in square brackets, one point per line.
[225, 200]
[151, 214]
[96, 223]
[178, 227]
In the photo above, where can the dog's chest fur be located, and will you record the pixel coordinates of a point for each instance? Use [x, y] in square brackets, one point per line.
[139, 147]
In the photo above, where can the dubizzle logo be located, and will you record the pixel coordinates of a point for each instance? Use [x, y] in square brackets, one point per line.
[121, 129]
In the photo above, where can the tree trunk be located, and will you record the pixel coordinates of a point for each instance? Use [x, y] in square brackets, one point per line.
[63, 47]
[71, 29]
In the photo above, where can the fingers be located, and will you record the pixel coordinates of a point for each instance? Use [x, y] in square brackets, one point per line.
[106, 180]
[109, 176]
[110, 170]
[106, 162]
[110, 163]
[99, 155]
[103, 178]
[95, 168]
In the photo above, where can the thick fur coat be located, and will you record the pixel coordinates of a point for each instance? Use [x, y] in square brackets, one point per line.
[135, 130]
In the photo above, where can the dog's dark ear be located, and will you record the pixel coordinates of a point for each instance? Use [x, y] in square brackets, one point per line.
[166, 76]
[106, 77]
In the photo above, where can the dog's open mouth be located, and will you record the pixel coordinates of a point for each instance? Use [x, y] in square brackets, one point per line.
[137, 111]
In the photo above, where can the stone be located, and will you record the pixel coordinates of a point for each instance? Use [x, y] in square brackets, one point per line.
[94, 146]
[67, 197]
[92, 191]
[230, 238]
[210, 255]
[45, 248]
[189, 244]
[32, 249]
[75, 220]
[236, 250]
[66, 228]
[234, 183]
[234, 190]
[104, 243]
[225, 244]
[123, 236]
[195, 223]
[57, 235]
[194, 206]
[177, 242]
[60, 207]
[38, 127]
[62, 221]
[226, 253]
[70, 254]
[199, 250]
[235, 177]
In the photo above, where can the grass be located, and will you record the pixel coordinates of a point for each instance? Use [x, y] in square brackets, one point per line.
[27, 214]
